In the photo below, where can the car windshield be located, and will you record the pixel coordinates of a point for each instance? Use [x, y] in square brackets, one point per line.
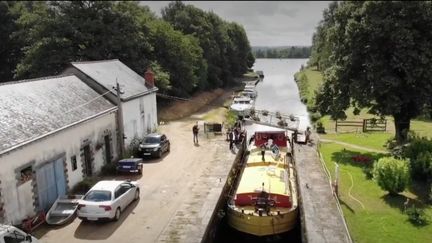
[98, 196]
[151, 140]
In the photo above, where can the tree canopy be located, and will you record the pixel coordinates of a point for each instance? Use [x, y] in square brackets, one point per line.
[282, 52]
[190, 50]
[225, 46]
[381, 54]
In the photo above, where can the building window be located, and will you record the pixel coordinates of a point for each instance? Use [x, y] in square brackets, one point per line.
[26, 174]
[74, 163]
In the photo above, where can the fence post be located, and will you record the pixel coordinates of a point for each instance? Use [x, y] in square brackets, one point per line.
[364, 125]
[336, 126]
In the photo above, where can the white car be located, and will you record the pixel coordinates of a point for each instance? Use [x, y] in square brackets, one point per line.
[107, 199]
[9, 233]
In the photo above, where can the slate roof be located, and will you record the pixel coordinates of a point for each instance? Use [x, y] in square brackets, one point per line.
[107, 71]
[33, 108]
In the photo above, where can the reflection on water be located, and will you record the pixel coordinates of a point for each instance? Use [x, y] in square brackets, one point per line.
[278, 91]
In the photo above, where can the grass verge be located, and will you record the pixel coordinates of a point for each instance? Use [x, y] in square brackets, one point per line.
[372, 215]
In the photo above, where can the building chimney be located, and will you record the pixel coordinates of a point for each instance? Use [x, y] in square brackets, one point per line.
[149, 78]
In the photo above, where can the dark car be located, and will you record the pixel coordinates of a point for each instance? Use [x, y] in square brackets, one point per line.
[154, 145]
[130, 165]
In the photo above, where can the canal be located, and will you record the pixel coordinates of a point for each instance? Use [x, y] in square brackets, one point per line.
[277, 92]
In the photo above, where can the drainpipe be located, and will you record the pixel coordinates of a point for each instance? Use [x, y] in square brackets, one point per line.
[120, 120]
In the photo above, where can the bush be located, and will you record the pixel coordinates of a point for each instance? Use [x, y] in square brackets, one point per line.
[109, 169]
[391, 143]
[430, 194]
[391, 174]
[417, 216]
[132, 149]
[419, 152]
[312, 108]
[83, 186]
[315, 116]
[231, 117]
[368, 170]
[320, 128]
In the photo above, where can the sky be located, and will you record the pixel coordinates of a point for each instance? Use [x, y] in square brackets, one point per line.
[267, 23]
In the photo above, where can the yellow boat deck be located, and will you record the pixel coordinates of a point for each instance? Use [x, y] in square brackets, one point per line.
[276, 176]
[272, 173]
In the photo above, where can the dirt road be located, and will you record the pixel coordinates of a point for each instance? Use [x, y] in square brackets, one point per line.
[181, 179]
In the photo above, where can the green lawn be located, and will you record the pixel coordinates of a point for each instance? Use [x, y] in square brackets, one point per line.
[309, 84]
[372, 215]
[375, 140]
[312, 82]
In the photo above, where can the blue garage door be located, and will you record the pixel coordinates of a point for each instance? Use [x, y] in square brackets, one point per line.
[51, 183]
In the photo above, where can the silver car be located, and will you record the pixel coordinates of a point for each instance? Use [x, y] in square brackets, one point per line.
[107, 199]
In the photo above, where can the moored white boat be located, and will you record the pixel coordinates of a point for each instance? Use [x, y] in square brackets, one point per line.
[250, 93]
[242, 105]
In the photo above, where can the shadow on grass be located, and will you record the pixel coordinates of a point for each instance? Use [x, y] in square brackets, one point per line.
[407, 206]
[342, 202]
[346, 157]
[401, 202]
[420, 189]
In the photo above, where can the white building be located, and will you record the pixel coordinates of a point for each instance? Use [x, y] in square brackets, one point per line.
[138, 96]
[53, 132]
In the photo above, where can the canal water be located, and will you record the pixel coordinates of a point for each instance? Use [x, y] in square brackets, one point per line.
[277, 92]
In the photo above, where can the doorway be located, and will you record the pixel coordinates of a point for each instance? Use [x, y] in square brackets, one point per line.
[51, 182]
[107, 149]
[87, 161]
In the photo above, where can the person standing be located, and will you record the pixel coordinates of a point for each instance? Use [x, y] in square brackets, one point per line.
[308, 134]
[231, 140]
[263, 149]
[195, 130]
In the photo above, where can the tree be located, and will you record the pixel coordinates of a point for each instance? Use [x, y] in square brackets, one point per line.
[381, 61]
[62, 32]
[214, 38]
[419, 153]
[239, 52]
[321, 46]
[10, 47]
[180, 55]
[391, 174]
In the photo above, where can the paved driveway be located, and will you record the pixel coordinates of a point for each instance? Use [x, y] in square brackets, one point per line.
[181, 179]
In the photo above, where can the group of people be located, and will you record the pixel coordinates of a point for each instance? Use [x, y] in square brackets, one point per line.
[236, 135]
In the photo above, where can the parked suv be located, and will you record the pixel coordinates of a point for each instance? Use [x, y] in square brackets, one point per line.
[154, 145]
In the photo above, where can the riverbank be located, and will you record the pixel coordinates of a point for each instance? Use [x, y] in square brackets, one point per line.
[202, 101]
[371, 214]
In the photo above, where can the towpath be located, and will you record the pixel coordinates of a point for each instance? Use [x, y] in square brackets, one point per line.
[322, 219]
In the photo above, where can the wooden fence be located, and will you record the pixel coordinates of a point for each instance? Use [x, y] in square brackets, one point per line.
[367, 125]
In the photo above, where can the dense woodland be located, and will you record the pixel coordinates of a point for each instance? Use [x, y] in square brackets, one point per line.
[282, 52]
[188, 48]
[375, 55]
